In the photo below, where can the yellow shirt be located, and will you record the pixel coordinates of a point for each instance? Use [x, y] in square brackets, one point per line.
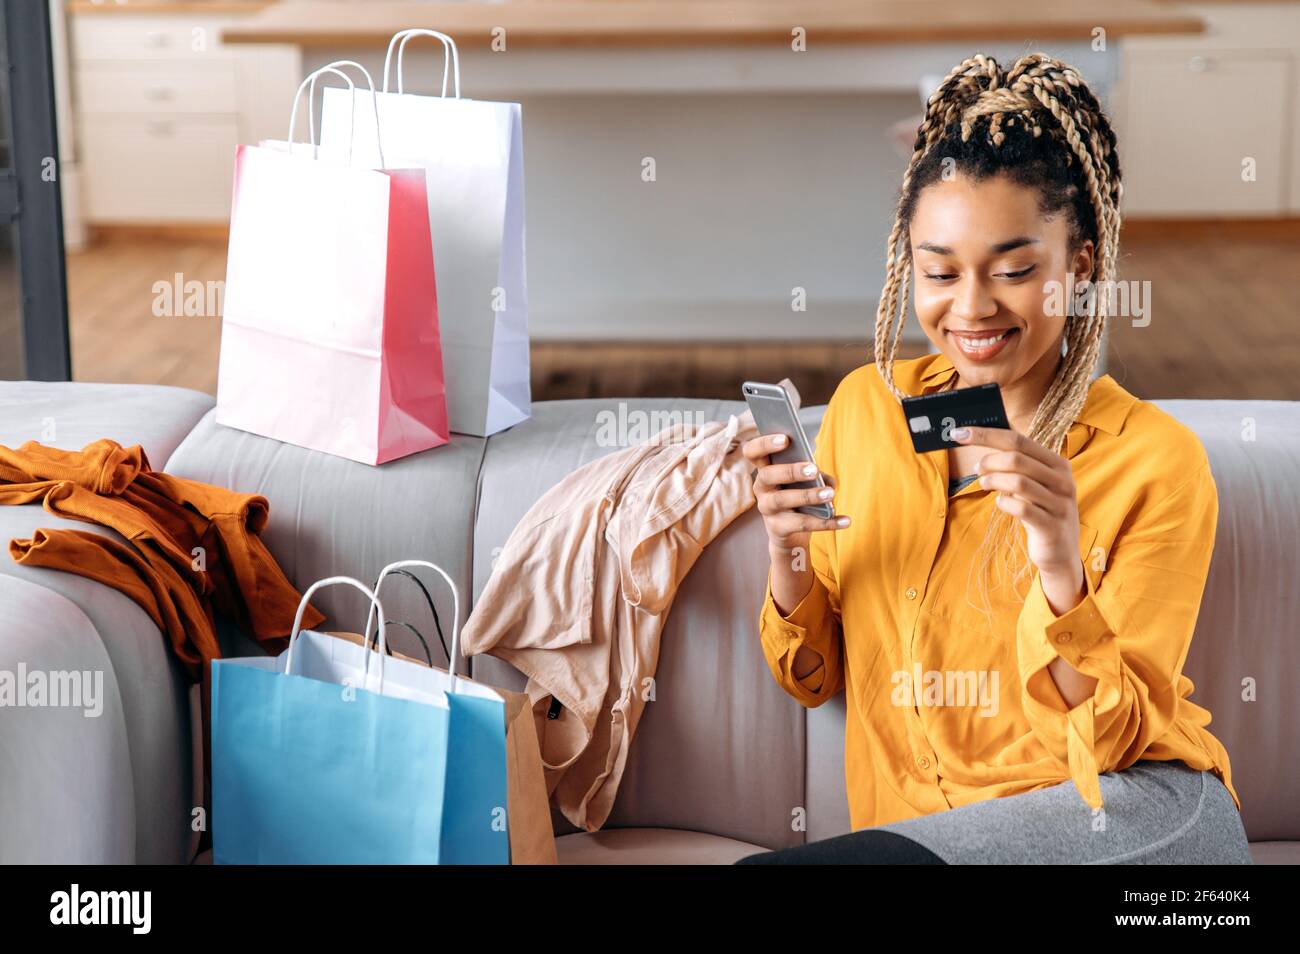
[946, 706]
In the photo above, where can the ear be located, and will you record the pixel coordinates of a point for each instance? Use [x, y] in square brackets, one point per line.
[1083, 260]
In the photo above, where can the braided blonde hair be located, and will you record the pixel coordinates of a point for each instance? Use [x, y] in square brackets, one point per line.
[976, 110]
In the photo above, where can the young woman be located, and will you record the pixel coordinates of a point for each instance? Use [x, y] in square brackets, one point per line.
[1008, 619]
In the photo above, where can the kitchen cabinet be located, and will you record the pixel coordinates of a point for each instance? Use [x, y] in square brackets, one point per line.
[161, 103]
[1209, 125]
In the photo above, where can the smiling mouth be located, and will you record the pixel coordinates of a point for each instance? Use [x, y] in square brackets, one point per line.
[984, 344]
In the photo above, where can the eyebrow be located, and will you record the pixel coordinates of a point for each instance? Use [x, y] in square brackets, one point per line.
[1018, 242]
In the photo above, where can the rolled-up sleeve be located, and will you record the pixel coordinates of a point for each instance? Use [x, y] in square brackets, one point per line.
[813, 625]
[1131, 632]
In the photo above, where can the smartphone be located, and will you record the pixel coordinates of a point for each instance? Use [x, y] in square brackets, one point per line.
[931, 417]
[774, 414]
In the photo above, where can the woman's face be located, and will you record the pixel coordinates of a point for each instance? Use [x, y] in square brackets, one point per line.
[983, 254]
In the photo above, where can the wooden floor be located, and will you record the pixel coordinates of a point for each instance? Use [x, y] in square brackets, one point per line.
[1223, 325]
[114, 332]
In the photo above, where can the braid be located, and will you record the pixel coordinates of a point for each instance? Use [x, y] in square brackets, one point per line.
[961, 86]
[1057, 411]
[1039, 123]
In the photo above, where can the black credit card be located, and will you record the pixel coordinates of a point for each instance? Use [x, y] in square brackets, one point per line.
[931, 417]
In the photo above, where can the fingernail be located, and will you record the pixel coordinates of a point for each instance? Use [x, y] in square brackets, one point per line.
[826, 494]
[810, 470]
[779, 440]
[959, 433]
[842, 522]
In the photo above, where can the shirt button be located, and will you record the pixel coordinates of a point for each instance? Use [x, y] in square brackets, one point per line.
[1063, 637]
[911, 593]
[923, 762]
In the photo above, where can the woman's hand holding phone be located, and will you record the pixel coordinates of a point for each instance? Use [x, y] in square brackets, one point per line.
[788, 531]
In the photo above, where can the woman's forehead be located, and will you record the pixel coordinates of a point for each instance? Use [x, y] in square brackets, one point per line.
[989, 214]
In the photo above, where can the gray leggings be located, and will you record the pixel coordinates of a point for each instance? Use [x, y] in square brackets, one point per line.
[1155, 812]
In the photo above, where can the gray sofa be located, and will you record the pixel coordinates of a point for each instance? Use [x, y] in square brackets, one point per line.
[724, 762]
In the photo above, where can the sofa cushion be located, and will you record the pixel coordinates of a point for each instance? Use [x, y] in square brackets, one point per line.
[828, 803]
[650, 846]
[721, 747]
[332, 516]
[66, 787]
[1246, 632]
[155, 690]
[155, 694]
[72, 415]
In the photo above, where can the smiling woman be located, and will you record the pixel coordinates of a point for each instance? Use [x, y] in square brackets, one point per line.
[1013, 190]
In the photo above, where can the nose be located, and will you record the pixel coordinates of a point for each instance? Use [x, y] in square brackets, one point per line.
[971, 300]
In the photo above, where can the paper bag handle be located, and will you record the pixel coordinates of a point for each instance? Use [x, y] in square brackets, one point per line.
[310, 85]
[374, 603]
[450, 61]
[352, 115]
[455, 622]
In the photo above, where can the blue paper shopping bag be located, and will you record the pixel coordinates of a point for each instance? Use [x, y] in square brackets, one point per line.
[333, 753]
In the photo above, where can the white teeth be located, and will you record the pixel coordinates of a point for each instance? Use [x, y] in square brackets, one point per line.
[976, 343]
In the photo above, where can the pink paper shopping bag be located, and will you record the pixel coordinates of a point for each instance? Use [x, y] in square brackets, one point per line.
[330, 330]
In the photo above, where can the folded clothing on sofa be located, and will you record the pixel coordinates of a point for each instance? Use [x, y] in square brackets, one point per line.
[580, 593]
[194, 546]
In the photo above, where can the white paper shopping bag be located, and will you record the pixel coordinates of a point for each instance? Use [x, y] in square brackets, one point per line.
[472, 155]
[329, 337]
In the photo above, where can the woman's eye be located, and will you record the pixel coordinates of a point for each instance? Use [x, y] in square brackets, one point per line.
[940, 278]
[1020, 274]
